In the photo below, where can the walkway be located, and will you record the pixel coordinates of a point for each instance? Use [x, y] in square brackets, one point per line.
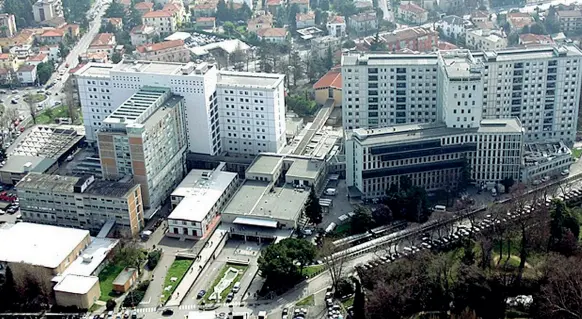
[208, 252]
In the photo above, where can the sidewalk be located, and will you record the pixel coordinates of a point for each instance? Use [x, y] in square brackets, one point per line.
[204, 256]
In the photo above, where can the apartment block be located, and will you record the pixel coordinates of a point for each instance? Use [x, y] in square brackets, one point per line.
[8, 23]
[432, 155]
[570, 20]
[145, 138]
[538, 85]
[103, 87]
[251, 109]
[81, 202]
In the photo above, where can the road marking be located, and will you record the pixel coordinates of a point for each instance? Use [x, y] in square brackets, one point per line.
[144, 310]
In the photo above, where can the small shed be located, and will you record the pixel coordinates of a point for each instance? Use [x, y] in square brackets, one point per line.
[125, 280]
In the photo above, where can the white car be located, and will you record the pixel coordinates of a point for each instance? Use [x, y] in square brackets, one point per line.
[330, 192]
[343, 218]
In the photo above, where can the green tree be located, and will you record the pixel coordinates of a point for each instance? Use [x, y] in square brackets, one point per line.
[44, 71]
[348, 44]
[75, 11]
[8, 292]
[229, 28]
[464, 176]
[158, 6]
[22, 11]
[362, 220]
[300, 104]
[313, 210]
[222, 12]
[538, 28]
[328, 61]
[115, 10]
[408, 201]
[297, 67]
[359, 301]
[116, 57]
[292, 18]
[377, 44]
[281, 263]
[110, 305]
[324, 5]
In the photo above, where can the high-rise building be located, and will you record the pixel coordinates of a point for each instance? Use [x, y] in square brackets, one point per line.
[81, 202]
[539, 85]
[103, 87]
[145, 138]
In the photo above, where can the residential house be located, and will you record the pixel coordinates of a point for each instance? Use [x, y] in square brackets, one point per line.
[260, 22]
[26, 74]
[205, 8]
[486, 40]
[530, 39]
[364, 22]
[7, 25]
[6, 76]
[206, 22]
[329, 87]
[480, 16]
[116, 23]
[415, 39]
[482, 20]
[302, 4]
[273, 35]
[570, 20]
[103, 42]
[98, 57]
[412, 13]
[519, 20]
[52, 51]
[71, 30]
[453, 27]
[336, 26]
[37, 59]
[54, 36]
[321, 46]
[167, 51]
[364, 5]
[44, 10]
[144, 7]
[9, 62]
[446, 46]
[21, 52]
[178, 11]
[142, 34]
[164, 22]
[305, 20]
[274, 5]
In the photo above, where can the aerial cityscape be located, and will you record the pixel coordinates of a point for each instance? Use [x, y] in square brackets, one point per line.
[290, 159]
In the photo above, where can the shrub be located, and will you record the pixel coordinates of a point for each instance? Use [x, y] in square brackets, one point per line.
[133, 298]
[154, 258]
[143, 286]
[110, 305]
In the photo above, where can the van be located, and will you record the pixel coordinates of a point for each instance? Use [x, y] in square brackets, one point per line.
[330, 192]
[236, 287]
[330, 228]
[440, 208]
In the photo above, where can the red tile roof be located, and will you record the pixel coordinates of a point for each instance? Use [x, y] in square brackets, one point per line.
[39, 57]
[102, 39]
[77, 68]
[337, 19]
[205, 19]
[53, 33]
[274, 2]
[443, 45]
[305, 16]
[272, 32]
[26, 68]
[144, 6]
[5, 56]
[530, 38]
[412, 7]
[157, 14]
[160, 46]
[332, 79]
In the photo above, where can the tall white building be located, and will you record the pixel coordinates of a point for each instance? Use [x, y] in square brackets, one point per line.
[103, 87]
[539, 85]
[251, 112]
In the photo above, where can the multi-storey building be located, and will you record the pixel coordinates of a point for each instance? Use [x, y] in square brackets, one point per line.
[539, 85]
[336, 26]
[251, 109]
[168, 51]
[570, 20]
[432, 155]
[102, 87]
[81, 202]
[145, 138]
[44, 10]
[485, 39]
[8, 23]
[163, 21]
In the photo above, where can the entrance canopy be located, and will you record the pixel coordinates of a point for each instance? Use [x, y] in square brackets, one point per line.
[255, 222]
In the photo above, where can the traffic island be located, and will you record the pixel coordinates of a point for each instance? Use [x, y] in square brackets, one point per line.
[224, 282]
[174, 276]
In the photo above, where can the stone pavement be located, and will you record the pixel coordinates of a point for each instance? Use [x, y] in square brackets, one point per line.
[207, 253]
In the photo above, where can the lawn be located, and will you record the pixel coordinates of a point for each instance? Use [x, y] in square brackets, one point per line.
[310, 271]
[209, 291]
[48, 116]
[342, 230]
[35, 98]
[178, 269]
[348, 302]
[106, 278]
[307, 301]
[576, 152]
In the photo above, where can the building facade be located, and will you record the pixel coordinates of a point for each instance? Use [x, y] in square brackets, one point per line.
[8, 24]
[145, 138]
[81, 202]
[484, 39]
[167, 51]
[164, 22]
[44, 10]
[570, 20]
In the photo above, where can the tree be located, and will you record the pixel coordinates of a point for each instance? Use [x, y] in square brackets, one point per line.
[32, 108]
[377, 44]
[63, 50]
[538, 28]
[281, 264]
[154, 258]
[324, 5]
[335, 262]
[559, 295]
[507, 182]
[222, 11]
[464, 176]
[359, 301]
[116, 57]
[301, 104]
[228, 28]
[44, 71]
[313, 210]
[292, 17]
[22, 10]
[110, 305]
[348, 44]
[362, 220]
[296, 67]
[328, 61]
[8, 291]
[115, 10]
[408, 201]
[158, 6]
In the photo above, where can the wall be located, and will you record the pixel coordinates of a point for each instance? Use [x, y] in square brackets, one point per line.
[83, 301]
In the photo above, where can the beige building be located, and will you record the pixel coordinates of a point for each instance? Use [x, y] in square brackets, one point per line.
[77, 291]
[7, 25]
[78, 202]
[486, 40]
[570, 20]
[145, 137]
[167, 51]
[260, 22]
[329, 87]
[164, 22]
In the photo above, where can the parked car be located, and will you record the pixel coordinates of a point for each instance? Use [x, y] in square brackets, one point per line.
[167, 312]
[236, 287]
[229, 297]
[330, 192]
[201, 294]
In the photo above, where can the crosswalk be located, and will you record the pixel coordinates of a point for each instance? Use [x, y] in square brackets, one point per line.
[188, 307]
[145, 310]
[154, 309]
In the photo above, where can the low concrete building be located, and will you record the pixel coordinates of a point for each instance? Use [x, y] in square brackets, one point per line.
[125, 280]
[321, 46]
[77, 291]
[542, 160]
[198, 201]
[142, 34]
[273, 35]
[329, 87]
[167, 51]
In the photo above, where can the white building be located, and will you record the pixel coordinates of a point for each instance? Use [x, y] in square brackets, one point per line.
[432, 155]
[103, 87]
[44, 10]
[251, 112]
[539, 85]
[336, 27]
[543, 160]
[27, 74]
[485, 39]
[454, 27]
[197, 202]
[164, 22]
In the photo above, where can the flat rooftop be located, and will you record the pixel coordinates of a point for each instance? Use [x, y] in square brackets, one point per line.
[39, 245]
[124, 276]
[150, 67]
[95, 70]
[138, 107]
[66, 184]
[249, 79]
[20, 164]
[536, 52]
[75, 284]
[50, 141]
[265, 164]
[460, 65]
[429, 59]
[91, 258]
[200, 193]
[305, 168]
[258, 199]
[412, 132]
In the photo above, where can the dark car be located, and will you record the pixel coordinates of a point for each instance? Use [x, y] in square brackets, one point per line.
[229, 297]
[201, 294]
[167, 312]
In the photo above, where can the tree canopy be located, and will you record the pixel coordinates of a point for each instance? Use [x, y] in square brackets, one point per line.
[44, 71]
[281, 263]
[408, 201]
[22, 11]
[313, 210]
